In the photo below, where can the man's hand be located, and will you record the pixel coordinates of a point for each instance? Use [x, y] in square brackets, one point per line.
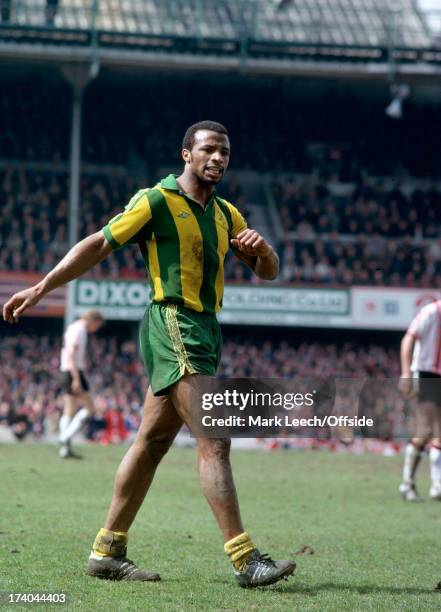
[20, 302]
[81, 258]
[405, 385]
[251, 243]
[256, 253]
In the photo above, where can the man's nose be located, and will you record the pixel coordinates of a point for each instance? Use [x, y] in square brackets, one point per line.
[216, 156]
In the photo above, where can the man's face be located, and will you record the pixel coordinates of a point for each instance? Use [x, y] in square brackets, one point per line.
[209, 157]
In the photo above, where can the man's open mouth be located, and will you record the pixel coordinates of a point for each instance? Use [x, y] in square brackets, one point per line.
[214, 170]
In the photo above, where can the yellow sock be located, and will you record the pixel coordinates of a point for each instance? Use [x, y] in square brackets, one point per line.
[238, 549]
[110, 543]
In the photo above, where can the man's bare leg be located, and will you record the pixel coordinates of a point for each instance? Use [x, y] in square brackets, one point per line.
[108, 558]
[218, 486]
[158, 429]
[214, 466]
[251, 568]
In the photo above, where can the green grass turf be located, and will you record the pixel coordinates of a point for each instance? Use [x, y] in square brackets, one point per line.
[371, 550]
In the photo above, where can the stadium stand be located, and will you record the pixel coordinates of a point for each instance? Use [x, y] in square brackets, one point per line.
[337, 174]
[33, 228]
[369, 236]
[364, 234]
[29, 392]
[333, 133]
[369, 207]
[357, 23]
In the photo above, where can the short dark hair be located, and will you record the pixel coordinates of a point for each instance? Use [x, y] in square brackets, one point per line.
[212, 126]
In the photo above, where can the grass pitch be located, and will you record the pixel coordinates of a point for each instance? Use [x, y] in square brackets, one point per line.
[371, 550]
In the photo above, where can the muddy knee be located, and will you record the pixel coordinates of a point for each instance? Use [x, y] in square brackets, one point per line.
[156, 448]
[217, 449]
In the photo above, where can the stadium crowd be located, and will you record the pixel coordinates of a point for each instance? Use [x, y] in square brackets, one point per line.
[29, 385]
[271, 135]
[33, 226]
[338, 226]
[30, 400]
[370, 207]
[367, 235]
[362, 262]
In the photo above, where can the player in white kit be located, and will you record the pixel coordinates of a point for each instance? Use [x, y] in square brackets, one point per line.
[73, 379]
[421, 378]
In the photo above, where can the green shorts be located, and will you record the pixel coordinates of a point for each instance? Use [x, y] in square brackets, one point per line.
[175, 341]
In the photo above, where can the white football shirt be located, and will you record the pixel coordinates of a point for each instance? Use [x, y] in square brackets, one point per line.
[426, 329]
[75, 340]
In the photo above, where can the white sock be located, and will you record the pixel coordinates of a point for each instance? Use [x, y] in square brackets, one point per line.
[412, 458]
[435, 466]
[64, 423]
[74, 426]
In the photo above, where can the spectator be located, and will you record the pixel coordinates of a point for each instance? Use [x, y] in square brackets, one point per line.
[31, 404]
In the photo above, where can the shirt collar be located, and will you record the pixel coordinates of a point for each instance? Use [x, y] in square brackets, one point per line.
[170, 183]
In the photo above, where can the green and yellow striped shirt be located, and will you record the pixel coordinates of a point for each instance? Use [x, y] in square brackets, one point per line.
[183, 245]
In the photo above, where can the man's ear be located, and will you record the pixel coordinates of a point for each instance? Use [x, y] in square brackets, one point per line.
[186, 156]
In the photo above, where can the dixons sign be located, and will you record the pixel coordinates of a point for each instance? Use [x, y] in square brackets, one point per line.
[111, 293]
[115, 299]
[358, 307]
[242, 305]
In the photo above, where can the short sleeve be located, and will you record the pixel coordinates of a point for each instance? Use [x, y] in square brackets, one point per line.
[238, 223]
[126, 227]
[421, 322]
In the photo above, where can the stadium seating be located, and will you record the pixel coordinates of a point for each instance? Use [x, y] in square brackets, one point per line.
[365, 233]
[371, 207]
[29, 385]
[334, 135]
[333, 169]
[325, 239]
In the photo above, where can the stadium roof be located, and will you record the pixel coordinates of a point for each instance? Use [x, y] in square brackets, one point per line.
[346, 22]
[357, 31]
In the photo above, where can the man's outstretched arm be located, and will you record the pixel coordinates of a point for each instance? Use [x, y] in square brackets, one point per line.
[81, 258]
[251, 248]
